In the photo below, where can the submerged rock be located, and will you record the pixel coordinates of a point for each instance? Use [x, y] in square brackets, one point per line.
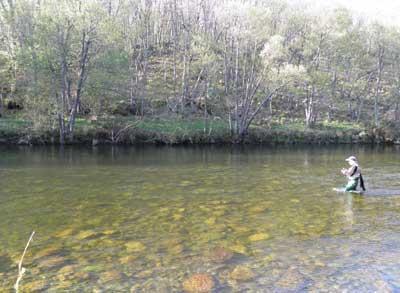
[109, 232]
[64, 233]
[258, 209]
[34, 286]
[52, 262]
[52, 250]
[239, 248]
[239, 228]
[177, 217]
[135, 246]
[85, 234]
[198, 283]
[144, 274]
[220, 254]
[292, 279]
[66, 272]
[258, 237]
[210, 221]
[110, 276]
[242, 273]
[81, 275]
[129, 259]
[176, 249]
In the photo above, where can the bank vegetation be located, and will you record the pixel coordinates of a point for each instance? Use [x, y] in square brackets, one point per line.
[174, 71]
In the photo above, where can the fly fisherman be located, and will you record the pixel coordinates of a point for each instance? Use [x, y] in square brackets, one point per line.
[353, 175]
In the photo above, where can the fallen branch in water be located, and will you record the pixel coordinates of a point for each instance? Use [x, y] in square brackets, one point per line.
[21, 269]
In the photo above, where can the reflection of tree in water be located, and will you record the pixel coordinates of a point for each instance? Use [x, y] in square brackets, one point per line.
[348, 210]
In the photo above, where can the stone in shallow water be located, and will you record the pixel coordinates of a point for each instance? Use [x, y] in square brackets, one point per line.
[34, 286]
[110, 276]
[144, 274]
[51, 262]
[239, 248]
[64, 233]
[210, 221]
[176, 249]
[257, 209]
[108, 232]
[218, 213]
[64, 285]
[292, 279]
[198, 283]
[258, 237]
[242, 273]
[66, 272]
[129, 259]
[85, 234]
[239, 228]
[81, 276]
[220, 254]
[177, 217]
[52, 250]
[135, 246]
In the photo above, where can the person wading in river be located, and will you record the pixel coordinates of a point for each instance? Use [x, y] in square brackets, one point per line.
[353, 175]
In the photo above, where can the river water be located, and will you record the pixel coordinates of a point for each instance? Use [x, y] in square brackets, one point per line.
[151, 219]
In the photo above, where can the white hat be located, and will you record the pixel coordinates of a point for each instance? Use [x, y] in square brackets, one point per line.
[352, 158]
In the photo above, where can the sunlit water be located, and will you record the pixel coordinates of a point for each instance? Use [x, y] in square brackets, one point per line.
[147, 219]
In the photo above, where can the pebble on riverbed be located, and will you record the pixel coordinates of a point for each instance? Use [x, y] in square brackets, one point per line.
[198, 283]
[220, 254]
[110, 276]
[258, 237]
[48, 251]
[52, 262]
[64, 233]
[292, 279]
[135, 246]
[238, 248]
[85, 234]
[242, 273]
[34, 286]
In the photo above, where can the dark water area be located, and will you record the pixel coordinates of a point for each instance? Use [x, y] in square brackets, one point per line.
[250, 219]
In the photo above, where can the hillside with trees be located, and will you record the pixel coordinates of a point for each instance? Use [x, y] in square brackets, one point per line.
[125, 71]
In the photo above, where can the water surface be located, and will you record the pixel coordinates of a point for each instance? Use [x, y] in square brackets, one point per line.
[146, 219]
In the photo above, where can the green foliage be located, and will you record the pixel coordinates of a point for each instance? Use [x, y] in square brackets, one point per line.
[199, 60]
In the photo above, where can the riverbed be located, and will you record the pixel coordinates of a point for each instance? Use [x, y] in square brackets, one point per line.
[168, 219]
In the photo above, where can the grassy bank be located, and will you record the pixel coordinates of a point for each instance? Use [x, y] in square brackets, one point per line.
[194, 131]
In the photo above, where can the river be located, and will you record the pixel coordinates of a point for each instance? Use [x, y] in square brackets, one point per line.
[153, 219]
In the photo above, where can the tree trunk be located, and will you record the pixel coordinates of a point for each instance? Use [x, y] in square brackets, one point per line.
[205, 107]
[309, 109]
[61, 128]
[378, 86]
[82, 77]
[1, 103]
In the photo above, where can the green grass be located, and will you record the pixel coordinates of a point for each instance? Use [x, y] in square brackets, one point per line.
[181, 126]
[176, 130]
[164, 126]
[13, 124]
[324, 126]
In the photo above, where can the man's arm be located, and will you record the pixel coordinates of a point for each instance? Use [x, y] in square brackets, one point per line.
[348, 172]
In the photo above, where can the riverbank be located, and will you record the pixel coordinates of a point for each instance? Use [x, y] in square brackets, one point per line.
[194, 131]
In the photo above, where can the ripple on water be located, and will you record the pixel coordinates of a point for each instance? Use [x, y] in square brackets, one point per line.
[257, 223]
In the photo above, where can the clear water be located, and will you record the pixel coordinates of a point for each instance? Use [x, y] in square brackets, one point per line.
[147, 219]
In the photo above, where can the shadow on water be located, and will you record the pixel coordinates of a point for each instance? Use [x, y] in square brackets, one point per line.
[382, 192]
